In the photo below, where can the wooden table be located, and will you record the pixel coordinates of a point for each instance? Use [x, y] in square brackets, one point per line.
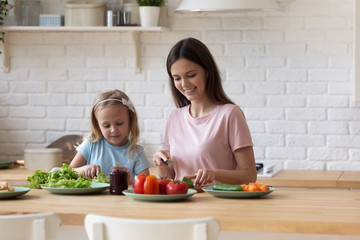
[286, 210]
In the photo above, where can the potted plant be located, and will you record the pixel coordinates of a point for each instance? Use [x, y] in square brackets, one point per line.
[4, 8]
[149, 12]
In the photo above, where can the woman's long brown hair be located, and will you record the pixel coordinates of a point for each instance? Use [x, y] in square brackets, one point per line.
[195, 51]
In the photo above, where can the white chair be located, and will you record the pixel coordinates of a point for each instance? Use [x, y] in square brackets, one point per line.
[113, 228]
[40, 226]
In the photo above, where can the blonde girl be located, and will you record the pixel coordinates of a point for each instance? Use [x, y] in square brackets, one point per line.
[113, 138]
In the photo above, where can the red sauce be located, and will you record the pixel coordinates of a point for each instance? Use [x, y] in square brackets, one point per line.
[118, 181]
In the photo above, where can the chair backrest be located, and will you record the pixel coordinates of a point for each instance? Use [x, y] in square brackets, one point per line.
[40, 226]
[110, 228]
[68, 145]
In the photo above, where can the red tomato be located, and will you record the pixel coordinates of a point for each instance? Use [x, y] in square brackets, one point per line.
[162, 184]
[176, 187]
[139, 184]
[151, 185]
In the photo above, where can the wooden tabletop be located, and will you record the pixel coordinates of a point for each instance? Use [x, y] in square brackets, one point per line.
[328, 210]
[16, 175]
[286, 210]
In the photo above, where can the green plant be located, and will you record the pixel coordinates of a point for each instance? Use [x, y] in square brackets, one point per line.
[3, 13]
[156, 3]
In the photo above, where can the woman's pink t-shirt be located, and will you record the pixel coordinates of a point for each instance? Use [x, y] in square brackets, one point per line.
[207, 142]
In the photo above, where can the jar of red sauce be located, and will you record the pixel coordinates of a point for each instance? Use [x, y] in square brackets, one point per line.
[118, 180]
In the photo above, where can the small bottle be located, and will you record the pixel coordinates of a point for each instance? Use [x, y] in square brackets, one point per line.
[118, 180]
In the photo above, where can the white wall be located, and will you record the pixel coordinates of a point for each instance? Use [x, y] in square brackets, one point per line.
[291, 73]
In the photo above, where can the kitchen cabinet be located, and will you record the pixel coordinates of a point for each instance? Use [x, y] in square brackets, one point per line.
[134, 31]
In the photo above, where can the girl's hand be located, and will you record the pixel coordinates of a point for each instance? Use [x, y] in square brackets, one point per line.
[161, 154]
[203, 177]
[90, 171]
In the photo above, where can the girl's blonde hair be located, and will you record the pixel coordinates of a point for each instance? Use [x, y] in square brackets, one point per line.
[110, 98]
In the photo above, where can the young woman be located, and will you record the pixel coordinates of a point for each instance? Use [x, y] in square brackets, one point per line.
[207, 138]
[113, 138]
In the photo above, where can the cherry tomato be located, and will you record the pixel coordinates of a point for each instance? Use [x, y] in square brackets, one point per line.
[139, 184]
[176, 187]
[162, 184]
[151, 185]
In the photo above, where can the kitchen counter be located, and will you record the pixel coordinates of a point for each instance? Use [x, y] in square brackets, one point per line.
[314, 178]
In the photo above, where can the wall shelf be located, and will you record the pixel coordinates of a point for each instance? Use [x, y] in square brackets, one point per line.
[134, 31]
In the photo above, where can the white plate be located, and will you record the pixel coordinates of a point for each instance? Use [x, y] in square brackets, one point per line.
[17, 192]
[236, 194]
[159, 197]
[95, 188]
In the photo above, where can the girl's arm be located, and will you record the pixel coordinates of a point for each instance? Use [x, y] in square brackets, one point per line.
[163, 169]
[79, 165]
[245, 173]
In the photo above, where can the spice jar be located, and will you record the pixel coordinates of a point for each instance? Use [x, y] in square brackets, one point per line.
[118, 180]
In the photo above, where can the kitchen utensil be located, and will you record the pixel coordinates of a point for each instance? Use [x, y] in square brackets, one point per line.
[85, 13]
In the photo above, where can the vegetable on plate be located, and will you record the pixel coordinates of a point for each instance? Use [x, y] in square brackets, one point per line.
[227, 187]
[139, 184]
[188, 181]
[65, 177]
[151, 185]
[251, 187]
[176, 187]
[162, 184]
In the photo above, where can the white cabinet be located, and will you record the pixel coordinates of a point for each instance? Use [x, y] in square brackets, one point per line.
[134, 31]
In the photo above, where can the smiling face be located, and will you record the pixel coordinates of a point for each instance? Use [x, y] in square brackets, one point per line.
[114, 123]
[189, 79]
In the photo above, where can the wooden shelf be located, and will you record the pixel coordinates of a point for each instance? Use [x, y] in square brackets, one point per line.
[82, 29]
[134, 31]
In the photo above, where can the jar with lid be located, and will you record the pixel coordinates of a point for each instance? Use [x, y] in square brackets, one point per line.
[118, 180]
[29, 12]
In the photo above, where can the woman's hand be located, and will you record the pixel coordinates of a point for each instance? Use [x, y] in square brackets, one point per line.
[90, 171]
[163, 169]
[203, 177]
[161, 154]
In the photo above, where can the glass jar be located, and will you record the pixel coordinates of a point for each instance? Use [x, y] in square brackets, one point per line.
[118, 180]
[29, 12]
